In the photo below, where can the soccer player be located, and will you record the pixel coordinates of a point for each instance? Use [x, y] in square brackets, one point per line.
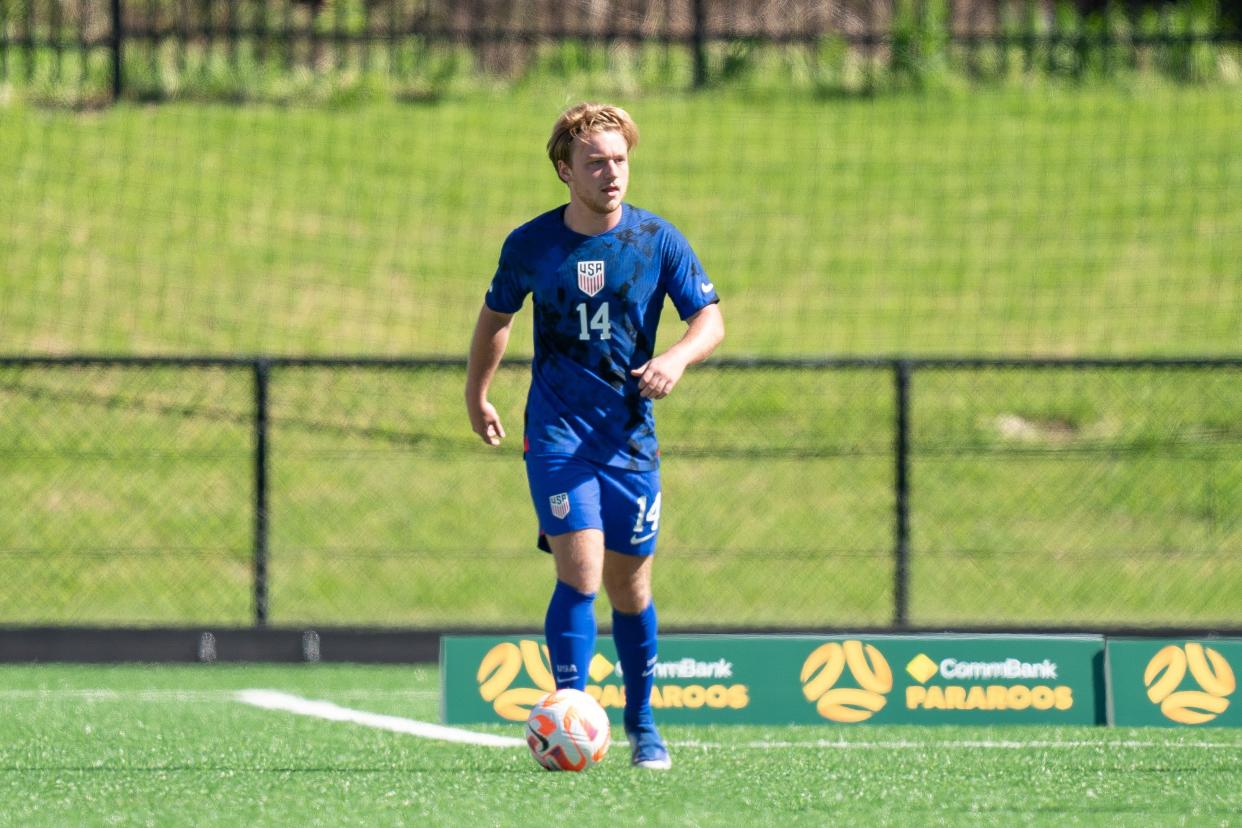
[599, 270]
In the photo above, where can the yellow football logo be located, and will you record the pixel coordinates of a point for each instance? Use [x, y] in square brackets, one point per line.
[501, 666]
[824, 666]
[1167, 669]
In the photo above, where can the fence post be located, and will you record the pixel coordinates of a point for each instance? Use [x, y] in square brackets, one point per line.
[901, 550]
[262, 371]
[699, 43]
[116, 41]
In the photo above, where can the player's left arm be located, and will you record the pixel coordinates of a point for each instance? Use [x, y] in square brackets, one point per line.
[658, 375]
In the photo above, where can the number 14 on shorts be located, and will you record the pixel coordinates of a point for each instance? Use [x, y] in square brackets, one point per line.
[648, 522]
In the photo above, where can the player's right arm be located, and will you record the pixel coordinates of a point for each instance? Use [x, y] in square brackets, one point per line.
[487, 346]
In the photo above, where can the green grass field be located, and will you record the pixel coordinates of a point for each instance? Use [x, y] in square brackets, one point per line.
[1063, 220]
[1032, 215]
[172, 746]
[1045, 218]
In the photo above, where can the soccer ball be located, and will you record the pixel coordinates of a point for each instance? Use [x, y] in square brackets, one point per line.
[567, 730]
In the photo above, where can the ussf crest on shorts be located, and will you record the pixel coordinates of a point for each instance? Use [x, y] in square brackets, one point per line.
[591, 277]
[559, 504]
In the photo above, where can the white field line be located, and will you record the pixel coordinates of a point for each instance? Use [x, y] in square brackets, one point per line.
[274, 700]
[282, 701]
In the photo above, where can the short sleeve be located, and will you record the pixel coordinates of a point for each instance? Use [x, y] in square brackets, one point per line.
[685, 282]
[510, 284]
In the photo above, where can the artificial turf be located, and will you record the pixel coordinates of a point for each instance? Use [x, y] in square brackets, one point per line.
[171, 745]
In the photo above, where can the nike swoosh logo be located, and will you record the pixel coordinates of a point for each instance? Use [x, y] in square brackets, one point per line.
[635, 540]
[707, 288]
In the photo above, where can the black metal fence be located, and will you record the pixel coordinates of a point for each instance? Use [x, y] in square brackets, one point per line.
[855, 492]
[120, 40]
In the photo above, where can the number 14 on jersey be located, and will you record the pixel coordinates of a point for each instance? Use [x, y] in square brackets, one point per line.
[598, 322]
[648, 522]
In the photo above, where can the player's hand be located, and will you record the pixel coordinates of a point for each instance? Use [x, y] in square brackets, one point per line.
[486, 423]
[656, 377]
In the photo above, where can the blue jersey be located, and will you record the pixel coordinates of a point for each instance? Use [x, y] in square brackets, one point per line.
[597, 304]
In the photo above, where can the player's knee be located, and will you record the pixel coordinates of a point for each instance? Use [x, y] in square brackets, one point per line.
[581, 573]
[586, 582]
[631, 604]
[628, 595]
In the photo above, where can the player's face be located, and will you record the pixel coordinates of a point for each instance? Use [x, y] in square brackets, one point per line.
[599, 172]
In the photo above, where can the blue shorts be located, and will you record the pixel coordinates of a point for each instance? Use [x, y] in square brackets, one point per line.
[572, 494]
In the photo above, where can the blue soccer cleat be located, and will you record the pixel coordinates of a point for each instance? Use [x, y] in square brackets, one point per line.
[647, 749]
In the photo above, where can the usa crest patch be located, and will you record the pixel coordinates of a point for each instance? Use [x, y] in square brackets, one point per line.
[559, 504]
[591, 277]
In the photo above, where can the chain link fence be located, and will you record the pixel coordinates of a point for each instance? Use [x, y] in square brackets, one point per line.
[797, 493]
[989, 178]
[90, 52]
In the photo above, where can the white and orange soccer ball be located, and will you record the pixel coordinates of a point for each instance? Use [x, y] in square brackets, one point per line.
[567, 731]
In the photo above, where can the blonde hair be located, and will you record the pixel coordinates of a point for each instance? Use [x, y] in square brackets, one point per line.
[588, 119]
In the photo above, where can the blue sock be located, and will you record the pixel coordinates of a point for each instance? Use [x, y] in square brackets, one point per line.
[569, 629]
[635, 637]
